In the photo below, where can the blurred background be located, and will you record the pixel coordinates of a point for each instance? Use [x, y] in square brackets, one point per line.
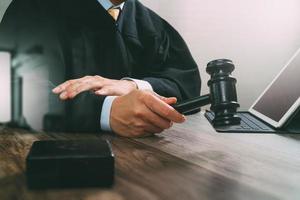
[260, 36]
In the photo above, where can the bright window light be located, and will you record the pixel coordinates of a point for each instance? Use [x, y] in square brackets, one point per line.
[5, 93]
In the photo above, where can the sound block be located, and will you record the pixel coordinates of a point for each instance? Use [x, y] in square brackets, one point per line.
[70, 164]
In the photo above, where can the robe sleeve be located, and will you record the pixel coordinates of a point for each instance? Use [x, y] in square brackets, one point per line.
[177, 74]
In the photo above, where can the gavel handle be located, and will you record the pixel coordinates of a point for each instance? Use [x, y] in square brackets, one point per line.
[192, 104]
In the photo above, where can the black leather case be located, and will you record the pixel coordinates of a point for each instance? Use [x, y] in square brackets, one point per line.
[293, 124]
[65, 163]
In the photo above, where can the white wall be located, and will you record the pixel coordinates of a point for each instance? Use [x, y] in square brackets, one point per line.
[258, 35]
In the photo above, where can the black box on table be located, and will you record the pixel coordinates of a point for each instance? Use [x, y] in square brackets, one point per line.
[70, 164]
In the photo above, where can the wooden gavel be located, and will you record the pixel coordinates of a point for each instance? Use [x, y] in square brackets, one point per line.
[222, 97]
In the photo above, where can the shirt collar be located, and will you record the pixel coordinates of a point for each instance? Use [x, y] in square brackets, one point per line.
[107, 4]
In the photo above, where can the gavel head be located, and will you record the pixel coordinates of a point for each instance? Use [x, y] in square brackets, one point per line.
[223, 92]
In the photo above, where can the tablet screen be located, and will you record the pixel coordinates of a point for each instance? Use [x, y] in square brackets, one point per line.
[282, 94]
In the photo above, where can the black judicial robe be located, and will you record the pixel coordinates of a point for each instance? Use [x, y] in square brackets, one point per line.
[83, 39]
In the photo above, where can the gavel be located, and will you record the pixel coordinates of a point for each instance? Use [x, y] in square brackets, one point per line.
[222, 97]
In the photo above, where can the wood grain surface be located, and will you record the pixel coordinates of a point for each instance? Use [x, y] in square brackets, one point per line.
[189, 161]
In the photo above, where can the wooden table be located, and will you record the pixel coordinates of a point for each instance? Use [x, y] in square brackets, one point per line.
[189, 161]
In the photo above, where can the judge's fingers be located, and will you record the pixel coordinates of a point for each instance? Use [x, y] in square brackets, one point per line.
[168, 100]
[82, 87]
[156, 120]
[64, 86]
[108, 91]
[60, 88]
[163, 109]
[143, 128]
[66, 94]
[85, 84]
[153, 129]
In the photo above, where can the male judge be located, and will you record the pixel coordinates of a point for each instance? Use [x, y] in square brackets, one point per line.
[120, 50]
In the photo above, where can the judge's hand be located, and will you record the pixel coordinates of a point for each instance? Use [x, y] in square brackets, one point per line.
[97, 84]
[143, 113]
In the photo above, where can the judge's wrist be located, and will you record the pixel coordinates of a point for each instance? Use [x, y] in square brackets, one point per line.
[130, 84]
[140, 84]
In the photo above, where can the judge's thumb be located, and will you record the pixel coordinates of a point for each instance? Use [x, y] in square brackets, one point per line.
[168, 100]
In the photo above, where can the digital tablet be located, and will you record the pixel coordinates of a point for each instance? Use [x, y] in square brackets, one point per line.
[282, 97]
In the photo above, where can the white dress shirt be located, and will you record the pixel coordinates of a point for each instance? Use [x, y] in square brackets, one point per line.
[142, 85]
